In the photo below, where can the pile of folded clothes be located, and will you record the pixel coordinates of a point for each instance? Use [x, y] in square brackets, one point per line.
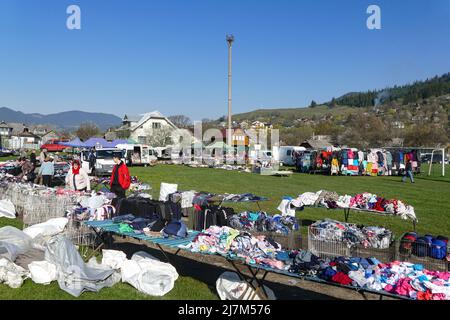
[400, 278]
[155, 226]
[351, 234]
[362, 201]
[226, 241]
[261, 222]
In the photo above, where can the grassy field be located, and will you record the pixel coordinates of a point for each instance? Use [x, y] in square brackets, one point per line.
[429, 196]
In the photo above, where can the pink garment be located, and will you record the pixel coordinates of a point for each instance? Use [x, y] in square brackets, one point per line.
[403, 287]
[389, 288]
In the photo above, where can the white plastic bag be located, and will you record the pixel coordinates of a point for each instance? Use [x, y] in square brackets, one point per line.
[7, 209]
[113, 258]
[230, 287]
[48, 228]
[149, 275]
[166, 189]
[42, 272]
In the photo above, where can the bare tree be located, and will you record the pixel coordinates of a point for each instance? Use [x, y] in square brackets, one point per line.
[180, 120]
[87, 130]
[159, 137]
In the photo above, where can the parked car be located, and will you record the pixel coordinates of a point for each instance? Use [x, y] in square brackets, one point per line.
[104, 163]
[54, 145]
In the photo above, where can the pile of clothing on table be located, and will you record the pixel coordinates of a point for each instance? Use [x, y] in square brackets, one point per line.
[425, 246]
[92, 207]
[351, 234]
[208, 211]
[155, 226]
[203, 198]
[400, 278]
[226, 241]
[262, 222]
[362, 201]
[136, 186]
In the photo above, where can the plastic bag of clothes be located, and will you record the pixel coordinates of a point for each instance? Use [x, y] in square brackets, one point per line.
[230, 287]
[42, 272]
[149, 275]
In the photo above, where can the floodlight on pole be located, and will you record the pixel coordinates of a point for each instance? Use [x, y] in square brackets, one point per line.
[230, 40]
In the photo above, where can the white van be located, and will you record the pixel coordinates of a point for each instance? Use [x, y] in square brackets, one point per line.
[141, 154]
[285, 154]
[104, 163]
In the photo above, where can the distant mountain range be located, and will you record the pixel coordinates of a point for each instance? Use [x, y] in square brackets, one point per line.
[64, 120]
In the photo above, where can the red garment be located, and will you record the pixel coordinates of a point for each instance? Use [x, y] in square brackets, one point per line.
[427, 295]
[342, 278]
[378, 206]
[124, 176]
[76, 171]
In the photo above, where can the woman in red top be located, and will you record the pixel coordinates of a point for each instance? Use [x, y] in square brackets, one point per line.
[120, 177]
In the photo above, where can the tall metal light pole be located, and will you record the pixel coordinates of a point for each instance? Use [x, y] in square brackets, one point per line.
[230, 39]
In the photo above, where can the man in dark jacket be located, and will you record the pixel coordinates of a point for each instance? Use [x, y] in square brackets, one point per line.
[120, 177]
[408, 172]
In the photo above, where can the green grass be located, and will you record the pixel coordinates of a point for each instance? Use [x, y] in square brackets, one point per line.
[429, 196]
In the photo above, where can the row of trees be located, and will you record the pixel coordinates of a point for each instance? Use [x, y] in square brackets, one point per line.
[437, 86]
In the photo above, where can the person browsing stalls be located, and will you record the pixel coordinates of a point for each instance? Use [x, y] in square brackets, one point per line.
[120, 177]
[77, 178]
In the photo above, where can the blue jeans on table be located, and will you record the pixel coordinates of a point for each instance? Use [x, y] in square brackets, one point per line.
[410, 175]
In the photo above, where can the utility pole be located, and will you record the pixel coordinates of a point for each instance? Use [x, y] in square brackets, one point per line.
[230, 40]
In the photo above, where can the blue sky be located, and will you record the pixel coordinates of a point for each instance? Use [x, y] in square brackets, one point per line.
[136, 56]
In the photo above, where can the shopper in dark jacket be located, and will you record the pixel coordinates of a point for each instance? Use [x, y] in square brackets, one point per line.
[408, 172]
